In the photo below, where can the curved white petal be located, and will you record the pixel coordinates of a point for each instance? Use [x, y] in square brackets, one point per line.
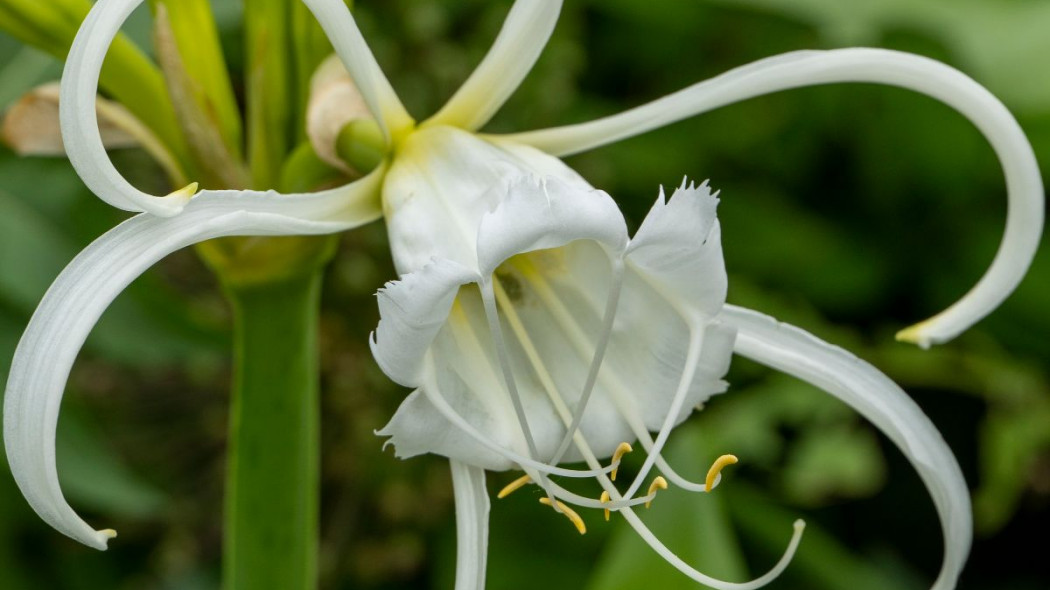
[472, 525]
[412, 311]
[518, 46]
[881, 401]
[678, 248]
[86, 287]
[1024, 185]
[542, 213]
[341, 28]
[80, 130]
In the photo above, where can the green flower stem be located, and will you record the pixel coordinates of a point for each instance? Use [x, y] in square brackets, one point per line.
[270, 88]
[272, 481]
[128, 75]
[304, 172]
[200, 52]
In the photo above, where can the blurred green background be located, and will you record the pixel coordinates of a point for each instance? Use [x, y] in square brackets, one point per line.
[850, 210]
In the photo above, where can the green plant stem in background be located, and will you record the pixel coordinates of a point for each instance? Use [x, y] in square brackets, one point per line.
[304, 172]
[269, 86]
[191, 59]
[128, 75]
[270, 538]
[311, 47]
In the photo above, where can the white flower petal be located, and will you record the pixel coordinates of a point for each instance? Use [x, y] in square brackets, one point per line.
[562, 310]
[419, 427]
[96, 276]
[335, 18]
[543, 213]
[442, 182]
[80, 129]
[518, 46]
[678, 248]
[412, 311]
[1024, 185]
[472, 525]
[881, 401]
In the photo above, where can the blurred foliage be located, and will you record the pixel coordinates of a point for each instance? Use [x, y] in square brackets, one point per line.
[848, 210]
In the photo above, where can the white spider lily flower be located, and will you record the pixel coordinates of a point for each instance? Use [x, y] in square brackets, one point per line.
[532, 329]
[534, 332]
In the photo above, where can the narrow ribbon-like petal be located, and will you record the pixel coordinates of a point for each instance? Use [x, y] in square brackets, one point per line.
[792, 70]
[880, 400]
[518, 46]
[472, 525]
[86, 287]
[541, 213]
[80, 131]
[379, 95]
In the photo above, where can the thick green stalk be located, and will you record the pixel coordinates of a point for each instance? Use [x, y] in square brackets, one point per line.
[270, 539]
[270, 88]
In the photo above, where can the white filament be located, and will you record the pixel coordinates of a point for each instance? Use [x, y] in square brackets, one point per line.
[611, 304]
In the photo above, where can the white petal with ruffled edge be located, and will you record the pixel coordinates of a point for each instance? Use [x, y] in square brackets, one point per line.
[551, 246]
[413, 310]
[542, 213]
[86, 287]
[509, 60]
[792, 70]
[678, 248]
[793, 351]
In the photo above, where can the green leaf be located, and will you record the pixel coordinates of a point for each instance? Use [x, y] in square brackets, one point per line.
[270, 88]
[201, 75]
[127, 74]
[94, 478]
[821, 562]
[147, 325]
[26, 68]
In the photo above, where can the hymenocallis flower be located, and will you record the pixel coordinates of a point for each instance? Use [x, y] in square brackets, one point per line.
[532, 328]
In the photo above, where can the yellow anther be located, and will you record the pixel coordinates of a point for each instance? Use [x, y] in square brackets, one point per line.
[514, 485]
[568, 512]
[605, 499]
[716, 468]
[618, 454]
[658, 484]
[108, 533]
